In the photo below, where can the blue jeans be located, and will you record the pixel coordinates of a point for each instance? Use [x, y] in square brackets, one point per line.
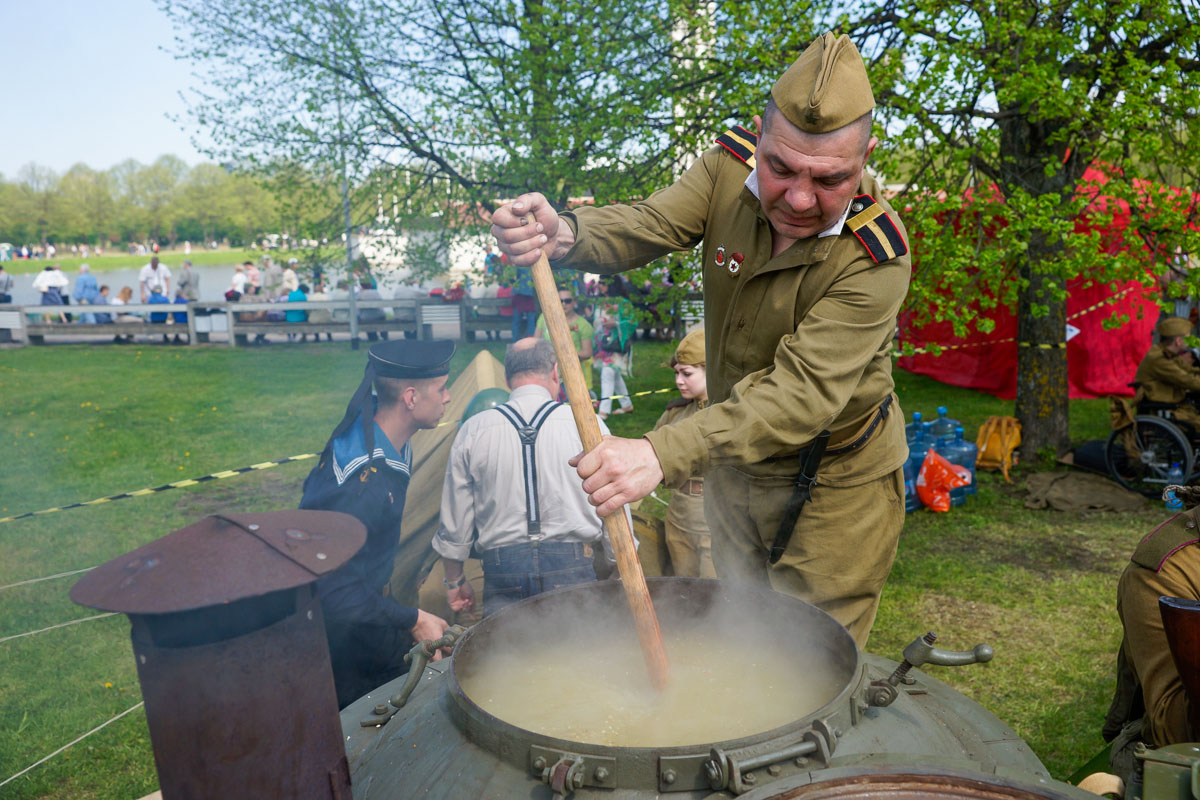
[517, 571]
[524, 324]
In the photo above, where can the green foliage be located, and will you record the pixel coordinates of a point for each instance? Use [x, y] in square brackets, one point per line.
[994, 110]
[165, 202]
[440, 110]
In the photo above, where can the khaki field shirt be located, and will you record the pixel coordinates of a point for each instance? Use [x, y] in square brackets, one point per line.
[1164, 378]
[796, 343]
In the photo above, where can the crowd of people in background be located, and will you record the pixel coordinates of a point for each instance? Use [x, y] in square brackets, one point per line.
[601, 312]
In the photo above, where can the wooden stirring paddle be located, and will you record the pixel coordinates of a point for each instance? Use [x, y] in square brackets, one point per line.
[616, 524]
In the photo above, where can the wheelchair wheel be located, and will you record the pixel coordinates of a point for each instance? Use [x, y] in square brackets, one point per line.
[1139, 457]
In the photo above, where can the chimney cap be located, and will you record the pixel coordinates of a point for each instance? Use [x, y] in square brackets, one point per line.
[221, 559]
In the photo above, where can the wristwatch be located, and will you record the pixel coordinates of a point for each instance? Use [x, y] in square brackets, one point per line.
[455, 584]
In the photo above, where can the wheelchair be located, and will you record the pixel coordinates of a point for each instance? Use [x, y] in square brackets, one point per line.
[1140, 452]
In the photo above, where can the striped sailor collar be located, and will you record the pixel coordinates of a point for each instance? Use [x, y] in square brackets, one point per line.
[350, 452]
[832, 230]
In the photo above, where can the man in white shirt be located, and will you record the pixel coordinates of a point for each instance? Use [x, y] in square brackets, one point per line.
[290, 280]
[154, 275]
[515, 497]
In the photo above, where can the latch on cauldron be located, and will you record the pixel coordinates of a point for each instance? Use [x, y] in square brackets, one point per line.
[566, 772]
[733, 770]
[921, 652]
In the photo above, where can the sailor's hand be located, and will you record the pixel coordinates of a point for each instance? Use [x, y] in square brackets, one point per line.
[521, 241]
[461, 598]
[430, 627]
[617, 472]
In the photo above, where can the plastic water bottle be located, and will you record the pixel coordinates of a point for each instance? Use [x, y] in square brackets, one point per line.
[916, 455]
[1175, 475]
[1174, 478]
[943, 425]
[911, 501]
[966, 454]
[946, 449]
[915, 430]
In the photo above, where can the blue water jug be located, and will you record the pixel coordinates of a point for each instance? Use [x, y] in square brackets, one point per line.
[966, 453]
[946, 449]
[916, 454]
[943, 425]
[911, 501]
[915, 430]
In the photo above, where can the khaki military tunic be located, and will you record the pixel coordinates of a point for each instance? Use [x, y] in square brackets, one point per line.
[796, 343]
[1166, 563]
[1165, 378]
[686, 529]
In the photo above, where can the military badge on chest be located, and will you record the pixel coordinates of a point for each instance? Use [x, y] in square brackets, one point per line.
[734, 261]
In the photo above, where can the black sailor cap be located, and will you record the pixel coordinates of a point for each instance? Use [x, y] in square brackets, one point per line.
[411, 359]
[406, 359]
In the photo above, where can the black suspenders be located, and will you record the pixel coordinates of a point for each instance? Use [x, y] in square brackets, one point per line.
[528, 433]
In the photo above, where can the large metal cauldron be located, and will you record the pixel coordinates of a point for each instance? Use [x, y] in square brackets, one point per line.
[441, 744]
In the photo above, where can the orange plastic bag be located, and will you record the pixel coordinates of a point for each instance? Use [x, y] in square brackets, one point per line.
[937, 477]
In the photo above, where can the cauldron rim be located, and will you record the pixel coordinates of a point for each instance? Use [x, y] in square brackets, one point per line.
[471, 718]
[825, 784]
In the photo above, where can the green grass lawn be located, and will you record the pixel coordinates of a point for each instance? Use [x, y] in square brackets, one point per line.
[111, 261]
[81, 422]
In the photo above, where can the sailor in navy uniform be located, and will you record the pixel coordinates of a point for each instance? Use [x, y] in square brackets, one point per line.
[369, 633]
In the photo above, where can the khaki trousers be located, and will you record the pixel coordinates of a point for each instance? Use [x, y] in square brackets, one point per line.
[687, 537]
[841, 550]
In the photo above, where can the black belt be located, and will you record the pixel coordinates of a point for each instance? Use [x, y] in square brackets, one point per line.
[810, 458]
[865, 436]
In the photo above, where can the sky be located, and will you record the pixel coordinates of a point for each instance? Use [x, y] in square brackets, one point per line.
[92, 82]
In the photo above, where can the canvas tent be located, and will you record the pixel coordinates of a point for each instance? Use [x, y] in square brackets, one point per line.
[1100, 362]
[431, 451]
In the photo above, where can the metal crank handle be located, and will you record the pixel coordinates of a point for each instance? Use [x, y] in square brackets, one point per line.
[416, 658]
[922, 651]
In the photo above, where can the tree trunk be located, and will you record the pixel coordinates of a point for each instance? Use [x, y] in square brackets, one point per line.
[1042, 388]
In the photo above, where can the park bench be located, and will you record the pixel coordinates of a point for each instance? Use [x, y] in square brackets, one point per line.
[410, 317]
[485, 315]
[32, 323]
[404, 319]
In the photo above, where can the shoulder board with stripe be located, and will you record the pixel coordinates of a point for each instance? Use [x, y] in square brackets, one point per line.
[740, 142]
[875, 229]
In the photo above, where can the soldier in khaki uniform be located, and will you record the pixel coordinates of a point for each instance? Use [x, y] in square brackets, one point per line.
[1168, 372]
[805, 267]
[686, 529]
[1150, 705]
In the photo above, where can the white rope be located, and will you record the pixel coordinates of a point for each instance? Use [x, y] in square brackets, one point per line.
[47, 578]
[659, 499]
[68, 744]
[60, 625]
